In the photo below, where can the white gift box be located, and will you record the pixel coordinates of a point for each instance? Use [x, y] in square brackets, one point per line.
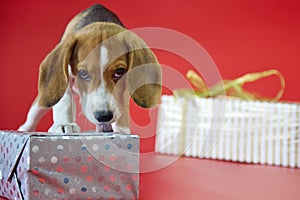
[258, 132]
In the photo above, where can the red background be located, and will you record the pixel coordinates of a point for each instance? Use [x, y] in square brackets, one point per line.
[240, 36]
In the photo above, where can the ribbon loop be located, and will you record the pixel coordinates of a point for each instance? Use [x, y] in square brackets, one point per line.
[233, 87]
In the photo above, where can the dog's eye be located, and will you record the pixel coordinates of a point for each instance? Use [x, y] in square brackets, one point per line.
[119, 73]
[84, 75]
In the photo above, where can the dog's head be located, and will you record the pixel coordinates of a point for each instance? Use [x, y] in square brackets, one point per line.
[110, 63]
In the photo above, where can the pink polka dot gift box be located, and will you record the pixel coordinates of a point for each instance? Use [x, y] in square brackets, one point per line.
[79, 166]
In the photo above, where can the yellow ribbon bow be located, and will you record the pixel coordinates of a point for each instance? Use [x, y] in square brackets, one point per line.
[233, 87]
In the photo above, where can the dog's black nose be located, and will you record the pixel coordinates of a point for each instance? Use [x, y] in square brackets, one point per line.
[103, 116]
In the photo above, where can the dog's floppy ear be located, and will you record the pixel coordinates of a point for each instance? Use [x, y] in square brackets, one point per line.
[53, 77]
[144, 74]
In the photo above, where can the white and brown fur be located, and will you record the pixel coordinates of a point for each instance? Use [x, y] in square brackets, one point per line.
[108, 63]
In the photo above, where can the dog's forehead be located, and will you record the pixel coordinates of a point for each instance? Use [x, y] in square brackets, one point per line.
[88, 47]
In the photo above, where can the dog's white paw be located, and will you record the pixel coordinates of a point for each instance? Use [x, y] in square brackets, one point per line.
[64, 128]
[26, 127]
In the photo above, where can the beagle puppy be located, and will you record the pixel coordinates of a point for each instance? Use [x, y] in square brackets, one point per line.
[107, 64]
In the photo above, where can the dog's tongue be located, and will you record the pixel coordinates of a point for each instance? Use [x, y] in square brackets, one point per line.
[103, 127]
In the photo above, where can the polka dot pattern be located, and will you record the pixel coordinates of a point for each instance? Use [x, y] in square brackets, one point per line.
[86, 166]
[11, 146]
[10, 149]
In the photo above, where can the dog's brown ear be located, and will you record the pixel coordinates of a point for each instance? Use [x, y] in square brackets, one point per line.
[53, 77]
[144, 75]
